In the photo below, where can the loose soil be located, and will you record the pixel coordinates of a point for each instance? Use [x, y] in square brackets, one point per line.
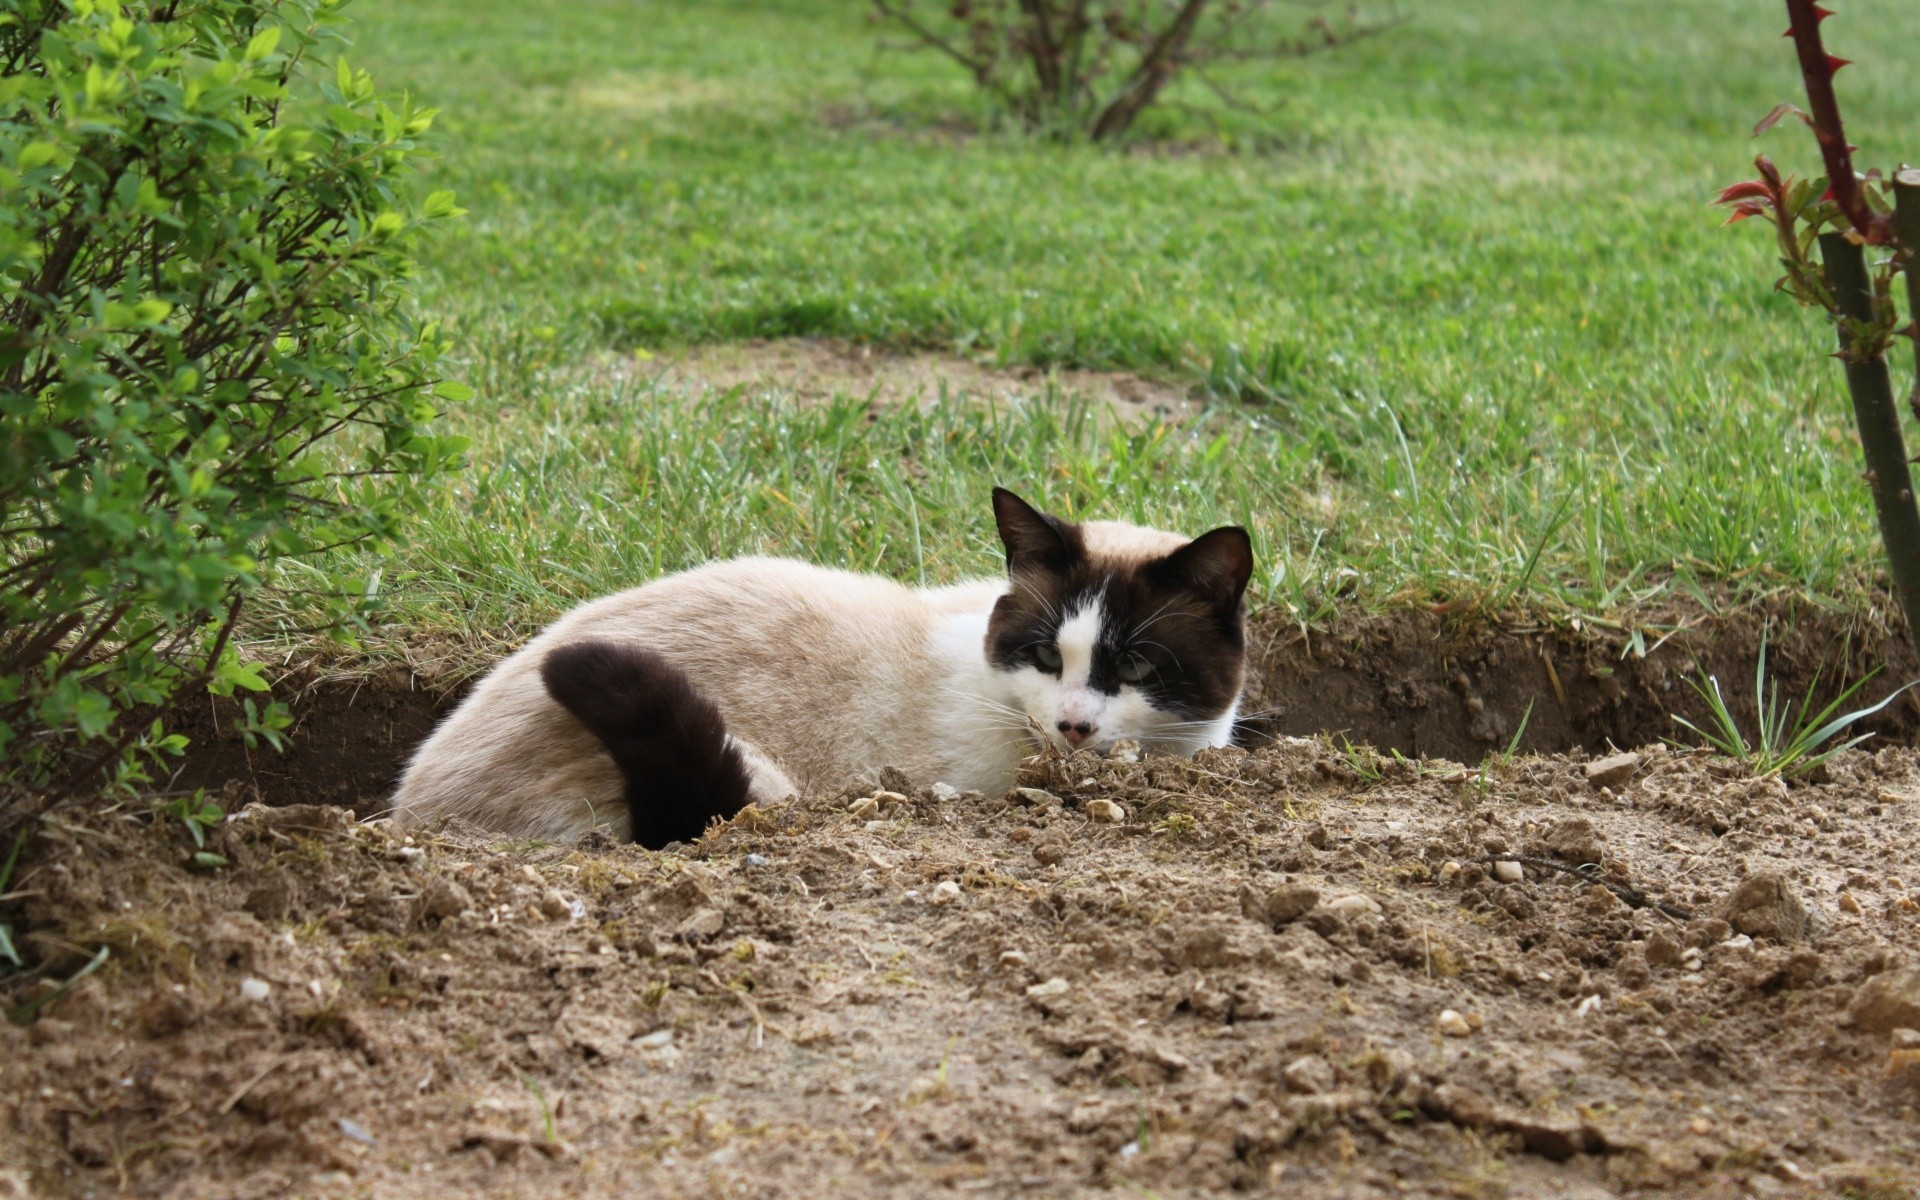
[814, 370]
[1290, 971]
[1417, 682]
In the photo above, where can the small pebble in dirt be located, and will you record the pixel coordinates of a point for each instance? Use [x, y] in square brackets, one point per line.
[1353, 905]
[865, 806]
[1764, 905]
[1508, 871]
[1449, 870]
[1289, 902]
[754, 860]
[1013, 960]
[1050, 850]
[1038, 797]
[445, 898]
[945, 892]
[1124, 750]
[887, 799]
[554, 906]
[354, 1131]
[1848, 904]
[1052, 992]
[1451, 1023]
[659, 1039]
[1309, 1075]
[255, 990]
[1613, 770]
[1888, 1001]
[1105, 812]
[1588, 1006]
[945, 793]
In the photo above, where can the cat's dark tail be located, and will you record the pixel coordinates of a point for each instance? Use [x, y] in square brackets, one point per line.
[667, 738]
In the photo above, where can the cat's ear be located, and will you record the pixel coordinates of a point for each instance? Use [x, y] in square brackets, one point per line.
[1216, 565]
[1032, 538]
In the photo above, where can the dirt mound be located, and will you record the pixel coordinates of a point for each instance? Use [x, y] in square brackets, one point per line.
[1421, 682]
[1287, 972]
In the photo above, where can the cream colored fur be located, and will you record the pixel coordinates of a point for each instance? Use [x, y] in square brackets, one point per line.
[822, 676]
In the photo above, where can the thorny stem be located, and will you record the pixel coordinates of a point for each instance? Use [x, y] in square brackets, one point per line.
[1906, 226]
[1816, 69]
[1879, 422]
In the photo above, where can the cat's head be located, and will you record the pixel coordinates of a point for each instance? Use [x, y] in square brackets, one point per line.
[1114, 631]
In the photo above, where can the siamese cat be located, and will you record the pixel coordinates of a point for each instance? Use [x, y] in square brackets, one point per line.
[654, 711]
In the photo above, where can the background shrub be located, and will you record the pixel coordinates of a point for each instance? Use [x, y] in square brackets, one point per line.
[1089, 68]
[207, 364]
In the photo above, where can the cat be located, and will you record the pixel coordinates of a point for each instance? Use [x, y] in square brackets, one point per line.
[652, 712]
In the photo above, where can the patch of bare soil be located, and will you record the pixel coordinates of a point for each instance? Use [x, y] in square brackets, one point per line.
[1418, 682]
[1284, 972]
[817, 369]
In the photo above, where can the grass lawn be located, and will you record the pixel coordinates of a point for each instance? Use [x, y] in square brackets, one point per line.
[1501, 350]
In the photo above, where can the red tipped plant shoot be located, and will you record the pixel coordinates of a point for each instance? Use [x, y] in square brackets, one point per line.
[1817, 69]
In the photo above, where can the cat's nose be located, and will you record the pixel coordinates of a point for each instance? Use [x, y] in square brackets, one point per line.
[1075, 732]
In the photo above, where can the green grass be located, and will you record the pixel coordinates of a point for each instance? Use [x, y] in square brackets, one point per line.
[1502, 353]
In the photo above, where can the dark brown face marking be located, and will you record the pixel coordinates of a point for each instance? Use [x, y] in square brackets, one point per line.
[1174, 626]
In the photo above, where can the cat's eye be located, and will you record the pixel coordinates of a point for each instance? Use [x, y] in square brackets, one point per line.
[1134, 668]
[1048, 656]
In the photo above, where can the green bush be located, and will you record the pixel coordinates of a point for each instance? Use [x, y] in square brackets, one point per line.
[207, 363]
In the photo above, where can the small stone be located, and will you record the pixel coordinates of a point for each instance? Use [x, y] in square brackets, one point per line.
[1764, 905]
[1105, 812]
[554, 906]
[255, 990]
[1353, 905]
[1613, 770]
[1309, 1075]
[354, 1131]
[1289, 902]
[1601, 901]
[445, 898]
[862, 808]
[703, 924]
[1125, 750]
[1888, 1001]
[887, 799]
[1013, 960]
[1038, 797]
[659, 1039]
[1904, 1039]
[1450, 870]
[945, 892]
[754, 860]
[1452, 1023]
[1047, 995]
[1508, 871]
[1575, 841]
[1051, 850]
[1663, 951]
[945, 793]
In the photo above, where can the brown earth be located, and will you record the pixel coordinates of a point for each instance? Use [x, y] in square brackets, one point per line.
[1284, 972]
[817, 369]
[1419, 682]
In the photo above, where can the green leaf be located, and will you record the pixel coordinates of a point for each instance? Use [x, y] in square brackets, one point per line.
[263, 43]
[36, 154]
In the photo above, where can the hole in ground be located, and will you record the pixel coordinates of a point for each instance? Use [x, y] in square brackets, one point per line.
[1422, 683]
